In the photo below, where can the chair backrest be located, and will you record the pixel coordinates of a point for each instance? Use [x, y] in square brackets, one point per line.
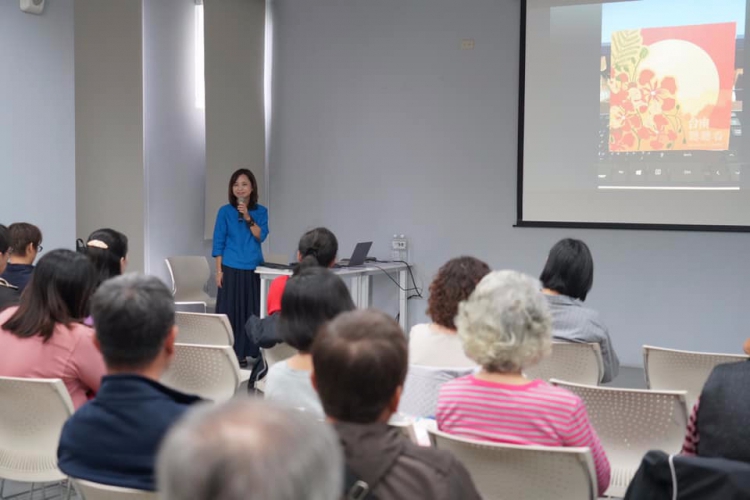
[189, 275]
[421, 388]
[511, 472]
[32, 414]
[572, 361]
[204, 329]
[95, 491]
[211, 372]
[670, 369]
[630, 422]
[277, 353]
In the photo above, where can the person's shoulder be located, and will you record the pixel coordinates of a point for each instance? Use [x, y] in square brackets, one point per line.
[559, 395]
[227, 207]
[260, 208]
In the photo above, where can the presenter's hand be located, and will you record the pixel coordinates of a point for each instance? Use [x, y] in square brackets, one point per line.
[242, 209]
[219, 277]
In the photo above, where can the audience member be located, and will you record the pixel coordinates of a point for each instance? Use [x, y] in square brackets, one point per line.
[360, 361]
[26, 243]
[43, 337]
[311, 298]
[317, 247]
[250, 450]
[436, 343]
[114, 438]
[505, 326]
[108, 251]
[567, 279]
[718, 422]
[9, 294]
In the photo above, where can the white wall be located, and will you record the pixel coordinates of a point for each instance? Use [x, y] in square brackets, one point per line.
[175, 135]
[382, 124]
[37, 118]
[109, 121]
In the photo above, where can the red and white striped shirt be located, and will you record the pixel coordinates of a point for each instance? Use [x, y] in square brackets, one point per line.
[531, 414]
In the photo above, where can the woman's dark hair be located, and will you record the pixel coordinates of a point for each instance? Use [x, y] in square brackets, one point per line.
[453, 284]
[21, 234]
[569, 269]
[59, 292]
[107, 261]
[312, 298]
[317, 247]
[253, 196]
[4, 239]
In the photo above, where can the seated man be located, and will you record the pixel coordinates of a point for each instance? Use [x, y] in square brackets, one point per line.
[26, 243]
[113, 439]
[359, 366]
[9, 294]
[250, 450]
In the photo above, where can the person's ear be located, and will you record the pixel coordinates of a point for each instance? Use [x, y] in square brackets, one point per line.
[746, 347]
[333, 262]
[396, 399]
[30, 248]
[299, 256]
[170, 341]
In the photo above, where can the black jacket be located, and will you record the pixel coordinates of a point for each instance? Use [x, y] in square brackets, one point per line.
[9, 295]
[697, 478]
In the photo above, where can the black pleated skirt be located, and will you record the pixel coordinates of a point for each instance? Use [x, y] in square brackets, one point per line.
[239, 298]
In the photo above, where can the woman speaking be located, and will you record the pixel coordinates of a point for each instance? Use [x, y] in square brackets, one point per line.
[241, 226]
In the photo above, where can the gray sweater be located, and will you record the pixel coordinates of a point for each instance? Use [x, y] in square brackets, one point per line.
[573, 322]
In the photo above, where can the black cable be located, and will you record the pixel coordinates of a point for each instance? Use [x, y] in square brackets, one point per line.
[415, 288]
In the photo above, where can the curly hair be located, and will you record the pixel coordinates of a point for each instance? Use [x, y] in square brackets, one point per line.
[454, 283]
[505, 325]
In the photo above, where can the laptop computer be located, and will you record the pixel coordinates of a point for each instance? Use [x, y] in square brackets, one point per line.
[358, 256]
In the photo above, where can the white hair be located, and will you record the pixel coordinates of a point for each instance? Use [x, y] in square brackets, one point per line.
[249, 449]
[505, 325]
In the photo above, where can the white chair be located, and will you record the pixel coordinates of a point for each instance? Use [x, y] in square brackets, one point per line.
[422, 386]
[275, 354]
[95, 491]
[189, 275]
[670, 369]
[32, 414]
[512, 472]
[572, 361]
[204, 329]
[630, 422]
[211, 372]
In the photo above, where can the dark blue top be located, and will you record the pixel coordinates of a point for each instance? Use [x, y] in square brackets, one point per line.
[113, 439]
[233, 240]
[18, 275]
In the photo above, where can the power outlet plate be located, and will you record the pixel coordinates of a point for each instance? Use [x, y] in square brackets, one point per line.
[399, 245]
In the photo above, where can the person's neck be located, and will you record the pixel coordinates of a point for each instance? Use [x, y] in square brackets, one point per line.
[442, 329]
[301, 361]
[15, 259]
[509, 378]
[549, 291]
[152, 372]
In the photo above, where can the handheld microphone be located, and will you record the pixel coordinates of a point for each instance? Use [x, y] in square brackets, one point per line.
[239, 215]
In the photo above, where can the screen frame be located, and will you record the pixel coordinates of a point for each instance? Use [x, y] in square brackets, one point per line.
[520, 222]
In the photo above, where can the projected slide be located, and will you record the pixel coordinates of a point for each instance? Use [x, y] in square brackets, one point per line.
[671, 88]
[633, 112]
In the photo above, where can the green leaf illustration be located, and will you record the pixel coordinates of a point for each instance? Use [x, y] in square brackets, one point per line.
[627, 46]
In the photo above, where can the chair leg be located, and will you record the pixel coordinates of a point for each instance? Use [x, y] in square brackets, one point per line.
[31, 492]
[2, 488]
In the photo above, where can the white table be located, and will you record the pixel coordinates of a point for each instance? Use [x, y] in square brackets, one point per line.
[360, 284]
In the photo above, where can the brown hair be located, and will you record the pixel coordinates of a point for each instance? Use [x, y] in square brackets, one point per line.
[253, 196]
[21, 234]
[359, 360]
[453, 284]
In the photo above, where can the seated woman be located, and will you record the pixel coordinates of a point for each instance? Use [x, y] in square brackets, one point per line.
[312, 298]
[317, 247]
[108, 251]
[718, 422]
[44, 336]
[566, 280]
[505, 327]
[436, 344]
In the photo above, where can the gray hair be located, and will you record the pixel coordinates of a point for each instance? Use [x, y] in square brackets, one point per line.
[249, 449]
[505, 325]
[133, 315]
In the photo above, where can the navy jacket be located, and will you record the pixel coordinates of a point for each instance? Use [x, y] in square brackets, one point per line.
[18, 275]
[114, 438]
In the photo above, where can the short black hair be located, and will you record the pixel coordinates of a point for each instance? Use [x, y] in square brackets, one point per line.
[107, 260]
[360, 359]
[317, 247]
[133, 315]
[58, 293]
[569, 269]
[254, 183]
[310, 299]
[4, 239]
[23, 233]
